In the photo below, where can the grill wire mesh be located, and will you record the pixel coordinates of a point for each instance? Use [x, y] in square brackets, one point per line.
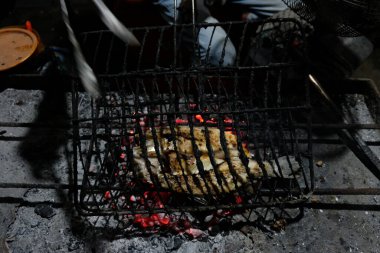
[167, 146]
[347, 18]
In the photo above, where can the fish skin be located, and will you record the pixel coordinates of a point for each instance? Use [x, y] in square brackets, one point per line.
[181, 166]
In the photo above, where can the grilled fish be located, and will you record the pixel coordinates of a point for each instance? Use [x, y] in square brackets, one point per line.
[171, 162]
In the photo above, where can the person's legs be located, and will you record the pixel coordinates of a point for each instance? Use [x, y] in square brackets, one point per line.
[259, 9]
[211, 41]
[214, 41]
[213, 47]
[166, 8]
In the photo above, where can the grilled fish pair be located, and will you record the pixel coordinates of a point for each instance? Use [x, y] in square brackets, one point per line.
[171, 161]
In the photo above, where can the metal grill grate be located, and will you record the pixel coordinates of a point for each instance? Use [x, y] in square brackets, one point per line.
[164, 142]
[347, 18]
[168, 48]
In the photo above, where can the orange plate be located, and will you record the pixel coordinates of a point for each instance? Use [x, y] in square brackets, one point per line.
[16, 46]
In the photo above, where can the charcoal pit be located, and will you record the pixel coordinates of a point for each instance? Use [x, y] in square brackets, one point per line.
[89, 200]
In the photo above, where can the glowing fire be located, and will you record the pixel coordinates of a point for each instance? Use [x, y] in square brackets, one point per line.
[150, 199]
[181, 121]
[199, 118]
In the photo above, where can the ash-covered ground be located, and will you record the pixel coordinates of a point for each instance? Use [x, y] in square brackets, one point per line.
[41, 155]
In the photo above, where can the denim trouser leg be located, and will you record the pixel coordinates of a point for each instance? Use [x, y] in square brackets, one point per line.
[167, 9]
[211, 42]
[259, 9]
[211, 45]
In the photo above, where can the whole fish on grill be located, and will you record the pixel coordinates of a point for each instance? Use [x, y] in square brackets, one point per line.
[171, 161]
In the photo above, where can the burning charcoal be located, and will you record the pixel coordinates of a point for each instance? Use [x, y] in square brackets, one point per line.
[164, 221]
[195, 233]
[45, 211]
[199, 118]
[238, 199]
[132, 198]
[107, 195]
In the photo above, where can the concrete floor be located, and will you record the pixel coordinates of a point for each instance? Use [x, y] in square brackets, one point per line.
[40, 155]
[370, 68]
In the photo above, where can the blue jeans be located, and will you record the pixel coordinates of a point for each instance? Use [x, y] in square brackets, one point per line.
[214, 41]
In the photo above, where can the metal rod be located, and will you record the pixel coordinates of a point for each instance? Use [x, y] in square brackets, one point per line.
[325, 191]
[67, 124]
[343, 206]
[175, 35]
[209, 69]
[347, 191]
[339, 126]
[35, 185]
[153, 114]
[200, 24]
[63, 124]
[350, 138]
[315, 141]
[325, 206]
[23, 202]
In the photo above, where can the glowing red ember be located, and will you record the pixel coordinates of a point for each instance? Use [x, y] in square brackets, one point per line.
[107, 195]
[228, 121]
[238, 199]
[195, 233]
[151, 200]
[199, 118]
[165, 221]
[180, 121]
[132, 198]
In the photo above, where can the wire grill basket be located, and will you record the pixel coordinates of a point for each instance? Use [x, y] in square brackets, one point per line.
[347, 18]
[166, 48]
[167, 146]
